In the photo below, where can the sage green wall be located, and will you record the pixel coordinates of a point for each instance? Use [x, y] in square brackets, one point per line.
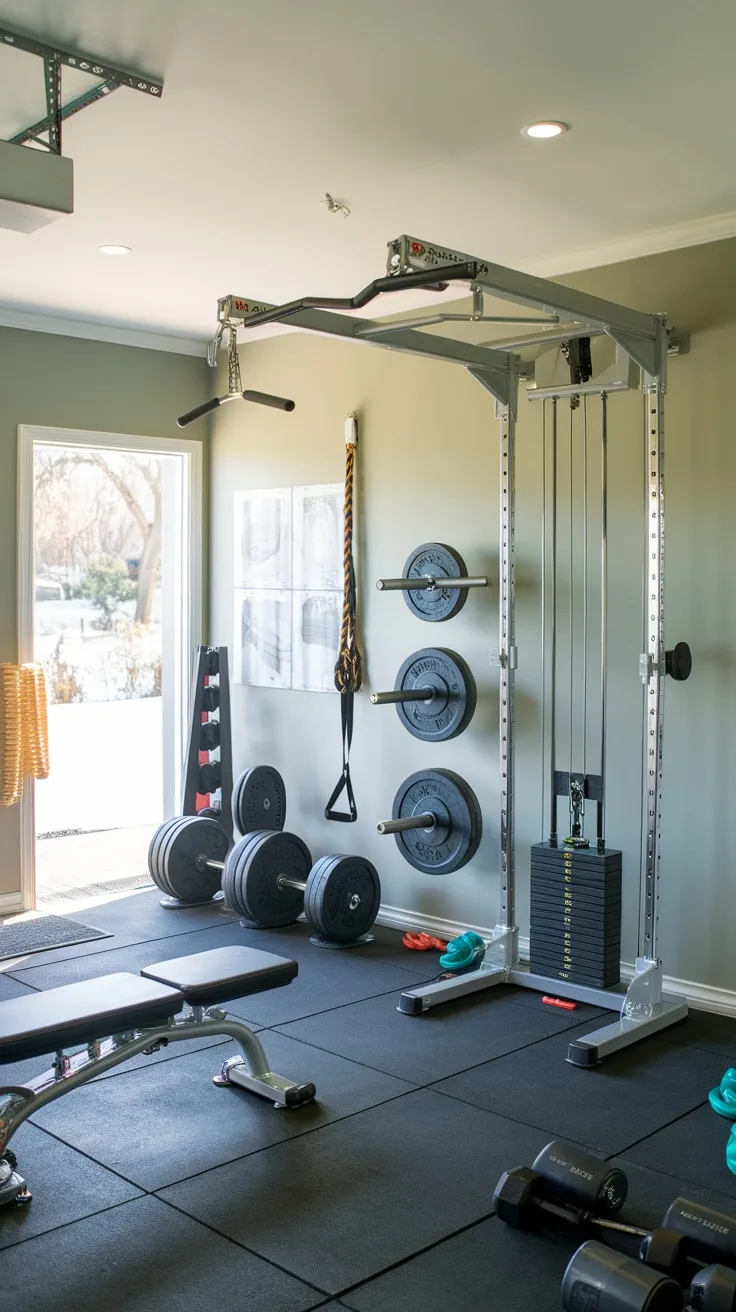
[414, 411]
[64, 382]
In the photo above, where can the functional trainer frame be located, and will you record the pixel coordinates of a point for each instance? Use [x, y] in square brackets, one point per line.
[641, 340]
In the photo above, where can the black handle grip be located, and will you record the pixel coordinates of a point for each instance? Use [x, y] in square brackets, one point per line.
[198, 412]
[265, 398]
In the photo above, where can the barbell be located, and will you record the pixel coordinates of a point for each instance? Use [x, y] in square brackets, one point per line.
[434, 581]
[267, 877]
[436, 821]
[434, 694]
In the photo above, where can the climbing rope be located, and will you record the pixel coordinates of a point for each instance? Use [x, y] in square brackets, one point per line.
[348, 667]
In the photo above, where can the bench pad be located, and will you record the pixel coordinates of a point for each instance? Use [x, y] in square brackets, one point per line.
[222, 974]
[40, 1023]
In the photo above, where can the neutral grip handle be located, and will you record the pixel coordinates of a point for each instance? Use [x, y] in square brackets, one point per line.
[198, 412]
[265, 398]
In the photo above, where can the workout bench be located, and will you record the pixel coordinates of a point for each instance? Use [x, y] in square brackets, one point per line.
[136, 1013]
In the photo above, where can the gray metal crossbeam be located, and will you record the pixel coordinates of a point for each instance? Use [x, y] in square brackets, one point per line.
[85, 63]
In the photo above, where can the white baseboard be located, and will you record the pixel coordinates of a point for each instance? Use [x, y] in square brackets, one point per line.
[10, 902]
[702, 996]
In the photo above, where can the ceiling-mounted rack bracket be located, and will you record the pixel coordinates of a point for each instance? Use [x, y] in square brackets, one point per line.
[54, 58]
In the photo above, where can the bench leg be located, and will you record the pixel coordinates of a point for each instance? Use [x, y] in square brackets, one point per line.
[251, 1072]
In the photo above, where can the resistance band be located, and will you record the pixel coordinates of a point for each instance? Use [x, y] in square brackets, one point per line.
[24, 735]
[348, 667]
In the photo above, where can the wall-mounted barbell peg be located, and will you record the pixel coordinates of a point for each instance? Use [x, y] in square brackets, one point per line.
[430, 582]
[434, 694]
[435, 582]
[426, 820]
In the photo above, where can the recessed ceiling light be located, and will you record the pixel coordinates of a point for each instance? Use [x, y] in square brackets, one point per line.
[114, 250]
[544, 129]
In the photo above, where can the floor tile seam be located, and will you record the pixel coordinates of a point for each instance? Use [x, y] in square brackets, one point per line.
[487, 1060]
[83, 1153]
[680, 1117]
[504, 1116]
[77, 1220]
[280, 1143]
[364, 1065]
[21, 970]
[310, 1015]
[7, 975]
[659, 1170]
[420, 1252]
[325, 1294]
[694, 1047]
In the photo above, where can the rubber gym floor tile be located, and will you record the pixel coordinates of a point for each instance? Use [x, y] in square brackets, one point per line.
[20, 1072]
[480, 1268]
[341, 1205]
[693, 1149]
[66, 1186]
[325, 980]
[12, 988]
[651, 1192]
[711, 1033]
[630, 1095]
[161, 1125]
[429, 1047]
[145, 1257]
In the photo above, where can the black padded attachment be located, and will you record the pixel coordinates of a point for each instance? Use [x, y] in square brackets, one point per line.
[44, 1022]
[221, 974]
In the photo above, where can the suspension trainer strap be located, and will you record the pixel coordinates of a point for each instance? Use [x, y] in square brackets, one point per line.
[348, 667]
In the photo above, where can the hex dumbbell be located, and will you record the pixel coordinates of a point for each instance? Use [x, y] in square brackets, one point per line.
[598, 1278]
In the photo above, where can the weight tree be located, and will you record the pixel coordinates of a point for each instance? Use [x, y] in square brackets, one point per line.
[604, 348]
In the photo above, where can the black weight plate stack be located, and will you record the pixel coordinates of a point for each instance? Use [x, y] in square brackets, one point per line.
[451, 694]
[575, 929]
[343, 897]
[441, 561]
[183, 855]
[259, 800]
[454, 839]
[155, 866]
[256, 892]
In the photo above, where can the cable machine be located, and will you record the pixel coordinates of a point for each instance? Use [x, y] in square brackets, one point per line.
[599, 348]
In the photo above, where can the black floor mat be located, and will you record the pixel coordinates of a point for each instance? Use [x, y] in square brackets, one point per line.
[340, 1205]
[148, 1257]
[44, 933]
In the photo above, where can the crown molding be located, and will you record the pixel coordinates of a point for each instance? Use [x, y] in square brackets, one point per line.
[31, 321]
[654, 241]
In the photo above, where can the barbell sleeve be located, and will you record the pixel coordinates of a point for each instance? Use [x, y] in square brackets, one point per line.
[429, 582]
[284, 881]
[425, 821]
[403, 695]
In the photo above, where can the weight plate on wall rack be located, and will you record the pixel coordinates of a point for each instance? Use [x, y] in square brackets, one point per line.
[454, 838]
[451, 694]
[441, 603]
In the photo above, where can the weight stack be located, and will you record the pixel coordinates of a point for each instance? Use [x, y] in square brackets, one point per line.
[575, 929]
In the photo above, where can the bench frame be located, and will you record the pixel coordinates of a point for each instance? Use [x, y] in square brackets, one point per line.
[249, 1071]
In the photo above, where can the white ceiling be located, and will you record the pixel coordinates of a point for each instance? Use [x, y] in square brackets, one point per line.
[409, 110]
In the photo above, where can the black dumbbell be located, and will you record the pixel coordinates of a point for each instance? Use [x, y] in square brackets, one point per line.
[598, 1278]
[210, 697]
[209, 736]
[561, 1174]
[209, 777]
[563, 1177]
[213, 660]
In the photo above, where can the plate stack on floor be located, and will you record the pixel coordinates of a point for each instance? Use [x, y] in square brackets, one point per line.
[576, 914]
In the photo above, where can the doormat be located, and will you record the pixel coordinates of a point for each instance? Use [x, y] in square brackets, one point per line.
[43, 934]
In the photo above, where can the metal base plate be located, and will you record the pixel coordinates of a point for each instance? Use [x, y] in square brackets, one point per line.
[319, 941]
[176, 904]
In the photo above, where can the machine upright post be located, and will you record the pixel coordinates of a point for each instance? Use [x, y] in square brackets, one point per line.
[601, 827]
[507, 639]
[653, 660]
[553, 639]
